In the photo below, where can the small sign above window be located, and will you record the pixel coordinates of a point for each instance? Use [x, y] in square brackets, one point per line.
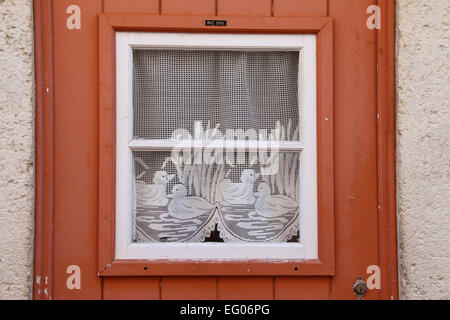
[216, 23]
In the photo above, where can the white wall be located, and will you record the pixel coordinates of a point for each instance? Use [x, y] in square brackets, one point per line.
[16, 148]
[423, 148]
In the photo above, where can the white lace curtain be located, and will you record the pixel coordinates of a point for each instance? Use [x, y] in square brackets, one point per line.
[179, 202]
[173, 89]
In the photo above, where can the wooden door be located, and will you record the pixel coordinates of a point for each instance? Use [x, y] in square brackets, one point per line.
[69, 195]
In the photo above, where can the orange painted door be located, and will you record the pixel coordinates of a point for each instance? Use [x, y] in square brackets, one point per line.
[361, 239]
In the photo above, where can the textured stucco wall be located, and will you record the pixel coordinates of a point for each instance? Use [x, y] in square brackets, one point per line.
[423, 148]
[16, 148]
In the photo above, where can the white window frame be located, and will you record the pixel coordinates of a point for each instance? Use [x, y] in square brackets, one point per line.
[307, 247]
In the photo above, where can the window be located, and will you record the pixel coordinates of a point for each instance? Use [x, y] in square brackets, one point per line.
[216, 154]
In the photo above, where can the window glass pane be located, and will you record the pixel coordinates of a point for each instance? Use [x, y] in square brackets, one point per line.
[240, 197]
[237, 90]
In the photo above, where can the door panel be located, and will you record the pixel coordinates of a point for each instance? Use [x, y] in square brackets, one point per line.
[188, 7]
[76, 97]
[147, 288]
[307, 8]
[257, 8]
[312, 288]
[355, 146]
[142, 6]
[188, 288]
[245, 288]
[76, 149]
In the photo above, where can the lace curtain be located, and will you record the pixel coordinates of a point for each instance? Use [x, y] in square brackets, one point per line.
[232, 94]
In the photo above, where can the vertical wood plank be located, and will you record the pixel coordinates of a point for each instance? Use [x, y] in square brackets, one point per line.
[305, 8]
[132, 6]
[246, 288]
[76, 149]
[305, 288]
[44, 168]
[244, 8]
[386, 151]
[131, 288]
[188, 7]
[356, 216]
[106, 199]
[188, 288]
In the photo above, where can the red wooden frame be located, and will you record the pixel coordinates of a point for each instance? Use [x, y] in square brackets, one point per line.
[386, 150]
[43, 236]
[322, 27]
